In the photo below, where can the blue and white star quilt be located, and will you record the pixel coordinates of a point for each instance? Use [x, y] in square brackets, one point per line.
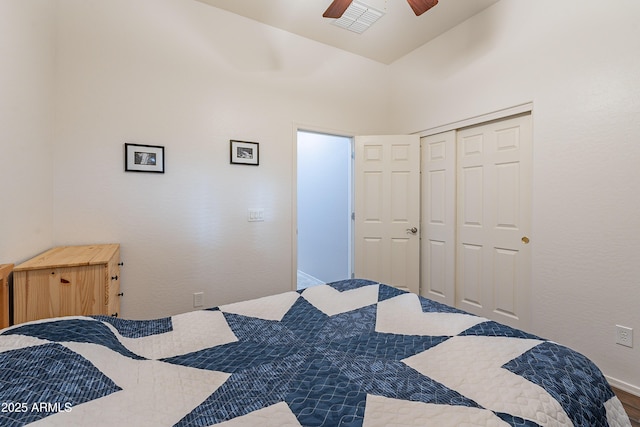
[350, 353]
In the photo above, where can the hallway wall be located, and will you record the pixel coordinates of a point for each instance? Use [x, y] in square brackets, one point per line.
[324, 206]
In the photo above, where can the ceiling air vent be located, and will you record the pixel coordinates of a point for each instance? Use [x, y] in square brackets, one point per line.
[358, 17]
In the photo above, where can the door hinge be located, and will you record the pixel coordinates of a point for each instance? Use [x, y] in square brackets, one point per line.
[353, 216]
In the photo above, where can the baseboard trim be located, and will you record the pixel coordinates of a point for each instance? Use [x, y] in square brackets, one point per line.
[629, 388]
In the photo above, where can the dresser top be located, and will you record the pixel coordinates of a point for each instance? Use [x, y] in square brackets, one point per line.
[70, 256]
[5, 269]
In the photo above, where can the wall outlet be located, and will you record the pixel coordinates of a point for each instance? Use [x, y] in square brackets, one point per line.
[624, 336]
[198, 299]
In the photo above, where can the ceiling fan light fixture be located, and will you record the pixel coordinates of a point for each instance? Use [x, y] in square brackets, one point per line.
[358, 17]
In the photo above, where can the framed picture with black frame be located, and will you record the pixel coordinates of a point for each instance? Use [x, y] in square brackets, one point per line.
[245, 153]
[143, 158]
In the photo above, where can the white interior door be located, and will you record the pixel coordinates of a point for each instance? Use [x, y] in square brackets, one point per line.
[387, 210]
[494, 220]
[437, 248]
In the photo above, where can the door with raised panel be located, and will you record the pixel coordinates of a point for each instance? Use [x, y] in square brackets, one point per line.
[387, 210]
[437, 247]
[494, 220]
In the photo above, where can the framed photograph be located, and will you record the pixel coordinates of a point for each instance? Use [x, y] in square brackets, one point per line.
[143, 158]
[245, 153]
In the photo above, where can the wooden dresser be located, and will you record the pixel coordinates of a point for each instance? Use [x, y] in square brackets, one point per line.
[68, 281]
[5, 271]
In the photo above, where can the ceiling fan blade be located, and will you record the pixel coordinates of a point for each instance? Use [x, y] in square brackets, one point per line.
[337, 8]
[421, 6]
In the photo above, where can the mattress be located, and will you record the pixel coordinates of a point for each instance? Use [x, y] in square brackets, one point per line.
[350, 353]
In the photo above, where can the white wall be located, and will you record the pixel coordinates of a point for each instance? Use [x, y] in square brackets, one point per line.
[27, 29]
[577, 62]
[190, 77]
[324, 205]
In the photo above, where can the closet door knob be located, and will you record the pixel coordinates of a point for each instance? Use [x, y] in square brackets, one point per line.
[525, 240]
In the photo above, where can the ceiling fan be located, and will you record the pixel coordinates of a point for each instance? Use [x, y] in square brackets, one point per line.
[337, 7]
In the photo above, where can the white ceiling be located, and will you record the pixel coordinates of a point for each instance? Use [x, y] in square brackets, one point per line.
[394, 35]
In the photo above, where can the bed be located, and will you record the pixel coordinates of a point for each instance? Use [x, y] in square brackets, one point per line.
[350, 353]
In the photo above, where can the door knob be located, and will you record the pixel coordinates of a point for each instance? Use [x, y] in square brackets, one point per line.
[525, 240]
[412, 230]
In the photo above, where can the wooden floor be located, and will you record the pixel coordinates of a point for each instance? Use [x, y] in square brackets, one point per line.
[631, 404]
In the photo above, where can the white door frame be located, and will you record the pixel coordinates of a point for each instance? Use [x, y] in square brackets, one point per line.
[483, 118]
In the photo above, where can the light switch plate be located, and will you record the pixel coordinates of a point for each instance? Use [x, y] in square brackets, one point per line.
[256, 215]
[198, 299]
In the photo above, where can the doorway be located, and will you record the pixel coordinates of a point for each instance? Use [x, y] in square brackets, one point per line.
[324, 208]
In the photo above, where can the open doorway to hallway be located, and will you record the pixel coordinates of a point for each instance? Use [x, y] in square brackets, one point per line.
[324, 208]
